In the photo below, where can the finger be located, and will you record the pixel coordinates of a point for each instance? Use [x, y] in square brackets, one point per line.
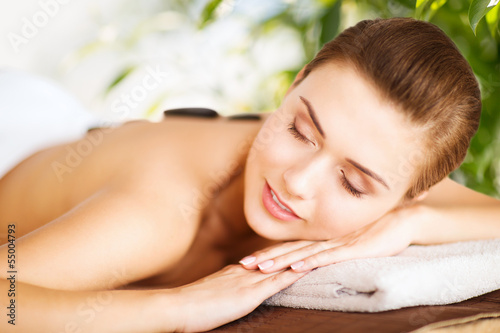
[295, 259]
[331, 256]
[252, 261]
[236, 274]
[239, 270]
[277, 282]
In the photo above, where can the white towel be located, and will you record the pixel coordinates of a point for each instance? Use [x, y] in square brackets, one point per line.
[420, 275]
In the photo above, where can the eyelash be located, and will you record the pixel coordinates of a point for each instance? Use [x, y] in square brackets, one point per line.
[349, 187]
[345, 183]
[296, 134]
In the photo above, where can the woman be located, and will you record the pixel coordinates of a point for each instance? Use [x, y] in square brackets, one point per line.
[352, 164]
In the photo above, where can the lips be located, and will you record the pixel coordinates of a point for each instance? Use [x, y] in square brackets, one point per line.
[275, 198]
[275, 206]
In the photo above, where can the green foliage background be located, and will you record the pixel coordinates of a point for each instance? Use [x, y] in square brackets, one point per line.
[472, 25]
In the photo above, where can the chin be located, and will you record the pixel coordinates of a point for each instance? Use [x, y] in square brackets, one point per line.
[258, 224]
[263, 225]
[257, 217]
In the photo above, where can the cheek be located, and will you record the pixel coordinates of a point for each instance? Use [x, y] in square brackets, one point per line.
[273, 148]
[341, 216]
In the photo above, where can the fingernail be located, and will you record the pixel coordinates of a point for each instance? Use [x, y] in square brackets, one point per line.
[266, 264]
[247, 260]
[297, 264]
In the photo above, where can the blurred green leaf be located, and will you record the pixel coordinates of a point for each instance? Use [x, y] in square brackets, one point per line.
[330, 22]
[119, 78]
[327, 2]
[207, 15]
[426, 9]
[420, 3]
[419, 8]
[408, 3]
[478, 9]
[153, 108]
[492, 18]
[436, 4]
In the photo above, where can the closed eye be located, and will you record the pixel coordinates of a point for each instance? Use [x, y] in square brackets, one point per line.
[302, 138]
[296, 134]
[347, 185]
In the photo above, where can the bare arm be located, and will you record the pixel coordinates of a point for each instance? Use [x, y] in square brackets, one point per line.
[63, 271]
[38, 309]
[123, 233]
[202, 305]
[120, 234]
[452, 212]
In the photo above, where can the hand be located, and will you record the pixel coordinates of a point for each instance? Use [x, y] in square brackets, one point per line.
[387, 236]
[226, 295]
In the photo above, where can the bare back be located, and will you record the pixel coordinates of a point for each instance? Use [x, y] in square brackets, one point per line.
[136, 194]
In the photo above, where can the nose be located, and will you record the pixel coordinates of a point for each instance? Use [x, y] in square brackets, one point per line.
[303, 179]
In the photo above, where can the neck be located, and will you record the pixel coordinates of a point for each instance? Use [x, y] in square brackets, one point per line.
[234, 234]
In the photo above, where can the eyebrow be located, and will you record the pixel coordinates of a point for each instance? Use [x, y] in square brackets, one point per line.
[313, 116]
[368, 172]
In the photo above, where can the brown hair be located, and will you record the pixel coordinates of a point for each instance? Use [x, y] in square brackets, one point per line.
[414, 65]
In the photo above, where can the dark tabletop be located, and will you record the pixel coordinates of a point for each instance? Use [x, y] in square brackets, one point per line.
[281, 319]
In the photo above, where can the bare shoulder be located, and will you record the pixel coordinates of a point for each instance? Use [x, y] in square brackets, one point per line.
[172, 157]
[178, 151]
[181, 158]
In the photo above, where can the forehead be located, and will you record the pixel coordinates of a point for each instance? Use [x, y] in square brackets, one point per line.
[358, 122]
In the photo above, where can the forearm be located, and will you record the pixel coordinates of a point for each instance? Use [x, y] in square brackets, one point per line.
[40, 309]
[444, 224]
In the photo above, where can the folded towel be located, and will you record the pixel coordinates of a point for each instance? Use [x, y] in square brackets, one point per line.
[420, 275]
